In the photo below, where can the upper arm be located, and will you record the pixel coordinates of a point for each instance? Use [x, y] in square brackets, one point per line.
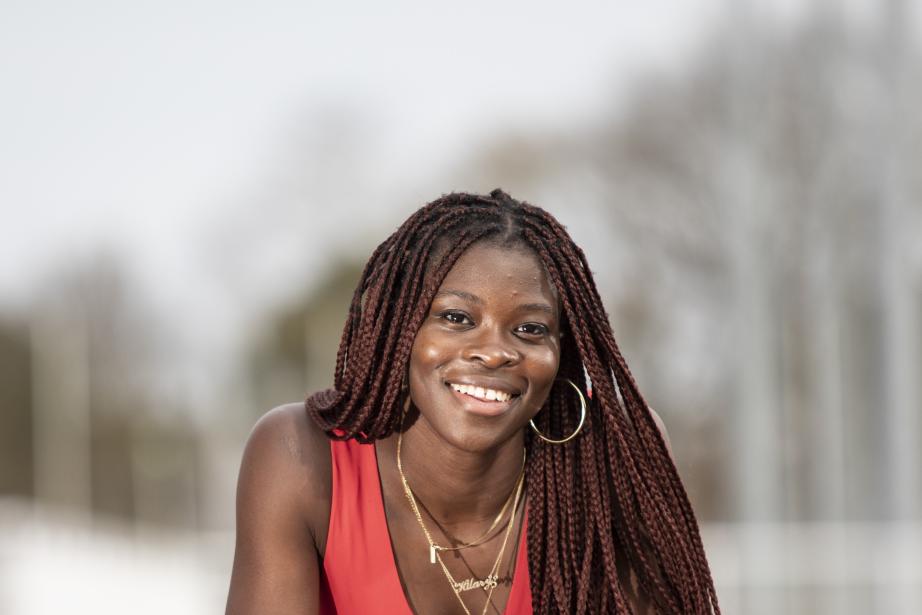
[280, 497]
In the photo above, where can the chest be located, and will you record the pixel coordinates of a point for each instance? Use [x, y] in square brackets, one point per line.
[428, 586]
[376, 556]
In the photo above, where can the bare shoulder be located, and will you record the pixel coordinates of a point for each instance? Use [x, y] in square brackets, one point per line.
[286, 451]
[289, 425]
[283, 495]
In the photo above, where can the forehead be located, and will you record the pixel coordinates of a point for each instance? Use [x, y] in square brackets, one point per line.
[492, 271]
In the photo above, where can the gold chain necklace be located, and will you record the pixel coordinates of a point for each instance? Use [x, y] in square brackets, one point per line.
[434, 547]
[491, 581]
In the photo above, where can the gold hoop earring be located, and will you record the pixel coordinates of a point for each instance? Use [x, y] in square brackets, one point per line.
[582, 418]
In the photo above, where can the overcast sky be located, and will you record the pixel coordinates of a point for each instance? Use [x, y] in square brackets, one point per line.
[141, 127]
[138, 122]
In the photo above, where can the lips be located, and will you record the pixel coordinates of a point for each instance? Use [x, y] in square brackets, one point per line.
[484, 398]
[481, 393]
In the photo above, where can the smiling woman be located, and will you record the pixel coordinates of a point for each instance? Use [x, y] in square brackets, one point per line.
[486, 355]
[459, 464]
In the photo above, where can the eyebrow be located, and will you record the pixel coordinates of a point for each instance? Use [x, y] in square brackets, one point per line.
[535, 307]
[460, 293]
[525, 307]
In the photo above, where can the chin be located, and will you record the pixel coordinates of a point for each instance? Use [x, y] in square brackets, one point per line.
[472, 433]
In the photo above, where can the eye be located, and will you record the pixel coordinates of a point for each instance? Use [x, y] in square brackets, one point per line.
[533, 329]
[456, 317]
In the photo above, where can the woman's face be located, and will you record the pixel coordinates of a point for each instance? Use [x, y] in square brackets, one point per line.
[486, 355]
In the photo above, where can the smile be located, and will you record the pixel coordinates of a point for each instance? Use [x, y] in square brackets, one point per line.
[481, 393]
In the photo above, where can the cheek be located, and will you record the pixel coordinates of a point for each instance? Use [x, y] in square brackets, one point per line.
[426, 355]
[544, 370]
[422, 350]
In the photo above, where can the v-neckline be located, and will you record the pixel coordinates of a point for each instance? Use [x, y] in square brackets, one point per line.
[521, 560]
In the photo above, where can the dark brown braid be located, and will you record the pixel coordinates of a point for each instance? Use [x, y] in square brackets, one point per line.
[608, 498]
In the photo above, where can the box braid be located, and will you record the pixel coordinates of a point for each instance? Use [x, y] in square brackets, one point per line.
[609, 498]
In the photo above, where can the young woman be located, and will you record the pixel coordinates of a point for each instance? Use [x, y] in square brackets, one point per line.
[484, 448]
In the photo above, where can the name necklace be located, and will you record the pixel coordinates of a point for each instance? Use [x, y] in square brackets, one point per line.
[489, 583]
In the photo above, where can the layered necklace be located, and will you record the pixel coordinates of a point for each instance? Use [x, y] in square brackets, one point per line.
[490, 582]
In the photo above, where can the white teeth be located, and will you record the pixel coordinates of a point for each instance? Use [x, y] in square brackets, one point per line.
[482, 393]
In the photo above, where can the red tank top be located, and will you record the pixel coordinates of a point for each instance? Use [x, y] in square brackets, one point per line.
[359, 576]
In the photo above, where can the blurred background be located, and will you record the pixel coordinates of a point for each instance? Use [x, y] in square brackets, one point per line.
[188, 190]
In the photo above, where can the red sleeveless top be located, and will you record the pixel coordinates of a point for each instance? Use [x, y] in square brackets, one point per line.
[359, 576]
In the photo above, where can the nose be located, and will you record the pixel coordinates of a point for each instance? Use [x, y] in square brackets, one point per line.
[492, 350]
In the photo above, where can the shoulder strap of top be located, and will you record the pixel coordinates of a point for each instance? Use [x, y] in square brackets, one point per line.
[358, 562]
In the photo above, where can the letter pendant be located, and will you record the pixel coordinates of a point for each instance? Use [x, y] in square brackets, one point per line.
[471, 583]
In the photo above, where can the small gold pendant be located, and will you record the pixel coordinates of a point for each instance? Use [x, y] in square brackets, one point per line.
[471, 583]
[431, 554]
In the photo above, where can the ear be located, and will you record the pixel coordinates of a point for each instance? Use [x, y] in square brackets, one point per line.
[662, 429]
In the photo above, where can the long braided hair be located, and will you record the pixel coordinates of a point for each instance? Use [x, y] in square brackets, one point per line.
[610, 496]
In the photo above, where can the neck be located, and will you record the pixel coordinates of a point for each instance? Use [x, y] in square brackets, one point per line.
[463, 488]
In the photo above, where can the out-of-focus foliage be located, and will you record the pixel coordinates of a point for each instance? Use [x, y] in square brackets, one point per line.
[16, 417]
[296, 353]
[84, 428]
